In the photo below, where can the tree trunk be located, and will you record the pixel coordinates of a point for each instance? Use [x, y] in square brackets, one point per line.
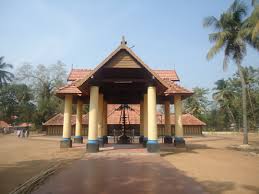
[243, 84]
[251, 105]
[232, 116]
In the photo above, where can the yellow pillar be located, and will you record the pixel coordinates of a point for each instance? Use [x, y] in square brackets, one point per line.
[105, 132]
[152, 144]
[100, 116]
[92, 144]
[141, 117]
[178, 116]
[66, 142]
[78, 133]
[145, 117]
[167, 118]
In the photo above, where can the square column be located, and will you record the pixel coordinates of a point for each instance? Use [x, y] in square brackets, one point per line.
[78, 136]
[152, 143]
[93, 145]
[66, 142]
[100, 120]
[178, 141]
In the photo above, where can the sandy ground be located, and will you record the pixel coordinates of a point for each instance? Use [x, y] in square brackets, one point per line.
[208, 160]
[219, 169]
[21, 159]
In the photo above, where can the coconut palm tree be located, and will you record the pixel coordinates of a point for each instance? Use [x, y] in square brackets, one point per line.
[251, 25]
[232, 34]
[224, 95]
[5, 76]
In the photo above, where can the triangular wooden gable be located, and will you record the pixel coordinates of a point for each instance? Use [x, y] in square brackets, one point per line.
[122, 57]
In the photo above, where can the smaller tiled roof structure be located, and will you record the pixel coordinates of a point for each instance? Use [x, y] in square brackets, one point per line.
[187, 120]
[4, 124]
[113, 117]
[58, 120]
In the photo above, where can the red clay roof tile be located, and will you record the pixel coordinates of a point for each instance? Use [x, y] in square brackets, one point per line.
[77, 74]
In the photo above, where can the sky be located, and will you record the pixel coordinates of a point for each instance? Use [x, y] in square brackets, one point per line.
[165, 34]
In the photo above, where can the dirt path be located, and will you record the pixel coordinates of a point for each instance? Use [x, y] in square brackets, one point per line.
[218, 168]
[21, 159]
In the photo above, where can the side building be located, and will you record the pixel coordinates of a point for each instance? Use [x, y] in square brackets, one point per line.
[191, 125]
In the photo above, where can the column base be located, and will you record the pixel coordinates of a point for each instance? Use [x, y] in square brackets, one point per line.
[92, 146]
[152, 146]
[100, 141]
[141, 139]
[144, 143]
[105, 139]
[66, 143]
[78, 139]
[179, 142]
[168, 139]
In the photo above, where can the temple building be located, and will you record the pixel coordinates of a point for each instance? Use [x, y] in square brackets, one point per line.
[122, 78]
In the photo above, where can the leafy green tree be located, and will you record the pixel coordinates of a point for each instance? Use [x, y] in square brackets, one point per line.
[44, 81]
[16, 100]
[5, 76]
[233, 34]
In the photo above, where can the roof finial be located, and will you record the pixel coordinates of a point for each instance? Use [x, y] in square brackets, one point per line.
[123, 41]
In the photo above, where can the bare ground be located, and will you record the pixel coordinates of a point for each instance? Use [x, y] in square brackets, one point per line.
[21, 159]
[213, 162]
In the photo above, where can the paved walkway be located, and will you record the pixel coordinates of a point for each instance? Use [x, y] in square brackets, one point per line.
[110, 172]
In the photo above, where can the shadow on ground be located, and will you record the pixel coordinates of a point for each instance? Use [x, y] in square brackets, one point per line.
[166, 150]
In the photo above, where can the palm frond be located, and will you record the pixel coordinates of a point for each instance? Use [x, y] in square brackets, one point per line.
[239, 9]
[255, 32]
[211, 21]
[213, 37]
[215, 49]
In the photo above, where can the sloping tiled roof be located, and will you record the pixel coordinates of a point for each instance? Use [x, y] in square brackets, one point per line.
[77, 74]
[169, 76]
[58, 120]
[4, 124]
[69, 89]
[187, 119]
[177, 89]
[113, 117]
